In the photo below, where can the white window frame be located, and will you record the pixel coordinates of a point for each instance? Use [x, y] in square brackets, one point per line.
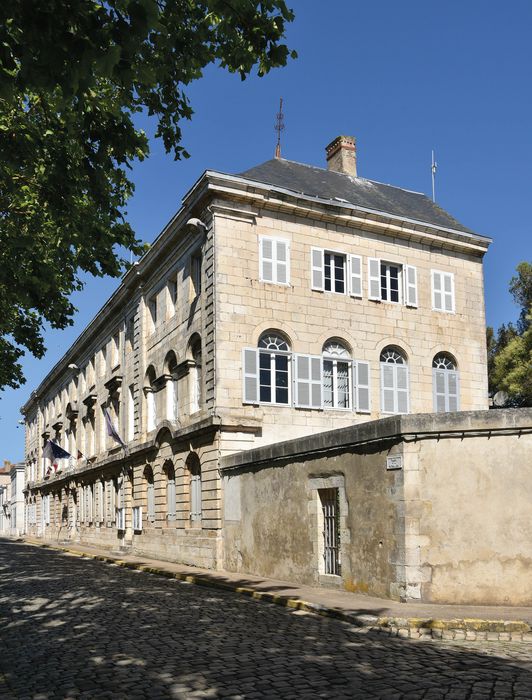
[444, 295]
[447, 395]
[137, 518]
[395, 388]
[120, 518]
[353, 275]
[335, 359]
[400, 281]
[407, 283]
[276, 264]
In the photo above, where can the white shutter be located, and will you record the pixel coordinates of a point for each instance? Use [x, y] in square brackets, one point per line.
[410, 285]
[387, 388]
[439, 387]
[151, 502]
[437, 304]
[307, 381]
[266, 259]
[170, 498]
[282, 275]
[374, 278]
[195, 497]
[250, 375]
[361, 391]
[448, 292]
[317, 272]
[355, 275]
[453, 390]
[401, 373]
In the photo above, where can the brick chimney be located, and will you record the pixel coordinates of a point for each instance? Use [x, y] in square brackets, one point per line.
[342, 155]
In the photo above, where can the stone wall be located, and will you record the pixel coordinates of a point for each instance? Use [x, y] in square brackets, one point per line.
[247, 307]
[432, 507]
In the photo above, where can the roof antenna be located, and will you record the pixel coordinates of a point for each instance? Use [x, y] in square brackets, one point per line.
[279, 126]
[433, 168]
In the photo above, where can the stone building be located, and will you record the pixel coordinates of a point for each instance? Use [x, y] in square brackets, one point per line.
[12, 508]
[277, 303]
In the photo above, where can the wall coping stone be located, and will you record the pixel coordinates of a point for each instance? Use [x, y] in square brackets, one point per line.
[403, 428]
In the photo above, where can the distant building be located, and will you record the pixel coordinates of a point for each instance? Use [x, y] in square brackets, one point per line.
[12, 511]
[277, 303]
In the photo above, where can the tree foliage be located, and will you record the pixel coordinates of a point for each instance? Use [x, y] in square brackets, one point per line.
[510, 352]
[73, 74]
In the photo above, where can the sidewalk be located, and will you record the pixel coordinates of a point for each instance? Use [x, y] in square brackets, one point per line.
[413, 620]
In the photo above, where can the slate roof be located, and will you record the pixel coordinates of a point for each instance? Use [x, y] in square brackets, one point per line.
[327, 184]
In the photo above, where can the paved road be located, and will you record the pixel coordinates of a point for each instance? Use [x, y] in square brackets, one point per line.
[74, 628]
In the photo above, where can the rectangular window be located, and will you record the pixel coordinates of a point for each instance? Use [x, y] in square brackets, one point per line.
[130, 330]
[273, 377]
[392, 282]
[103, 359]
[152, 308]
[446, 390]
[274, 260]
[151, 501]
[137, 518]
[394, 388]
[195, 274]
[131, 413]
[391, 277]
[443, 291]
[334, 272]
[195, 497]
[116, 349]
[337, 272]
[172, 294]
[330, 513]
[120, 518]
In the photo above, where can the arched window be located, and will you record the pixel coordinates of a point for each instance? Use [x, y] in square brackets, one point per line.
[394, 381]
[445, 383]
[336, 375]
[150, 494]
[194, 469]
[170, 490]
[274, 369]
[151, 408]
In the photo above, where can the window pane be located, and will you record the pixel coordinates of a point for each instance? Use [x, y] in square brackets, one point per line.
[342, 373]
[339, 274]
[281, 396]
[328, 383]
[384, 284]
[327, 269]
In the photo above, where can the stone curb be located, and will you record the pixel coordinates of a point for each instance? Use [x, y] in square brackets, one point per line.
[469, 629]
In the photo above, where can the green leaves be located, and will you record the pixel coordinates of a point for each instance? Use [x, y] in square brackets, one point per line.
[510, 353]
[72, 76]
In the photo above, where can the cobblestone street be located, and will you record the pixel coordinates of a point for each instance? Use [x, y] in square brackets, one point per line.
[75, 628]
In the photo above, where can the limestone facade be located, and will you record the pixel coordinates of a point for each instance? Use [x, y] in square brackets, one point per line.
[214, 342]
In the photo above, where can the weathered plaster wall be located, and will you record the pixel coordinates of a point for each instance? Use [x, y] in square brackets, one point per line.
[452, 525]
[475, 519]
[278, 534]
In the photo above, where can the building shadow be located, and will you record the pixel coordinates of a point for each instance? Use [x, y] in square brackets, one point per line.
[79, 628]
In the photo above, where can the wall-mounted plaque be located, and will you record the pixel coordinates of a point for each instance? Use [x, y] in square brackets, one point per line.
[394, 462]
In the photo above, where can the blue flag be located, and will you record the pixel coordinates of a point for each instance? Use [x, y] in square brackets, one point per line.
[52, 451]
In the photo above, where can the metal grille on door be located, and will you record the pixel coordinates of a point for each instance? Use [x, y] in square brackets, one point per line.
[331, 538]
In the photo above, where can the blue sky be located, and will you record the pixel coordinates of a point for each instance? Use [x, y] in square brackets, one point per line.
[403, 78]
